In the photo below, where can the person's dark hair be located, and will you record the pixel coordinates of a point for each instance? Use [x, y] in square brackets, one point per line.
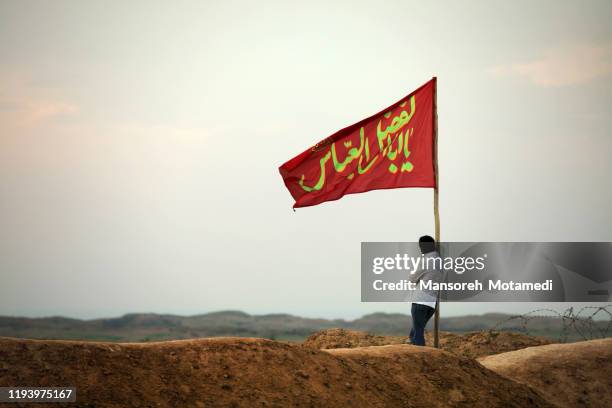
[427, 244]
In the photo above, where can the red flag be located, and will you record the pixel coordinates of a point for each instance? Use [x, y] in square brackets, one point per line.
[391, 149]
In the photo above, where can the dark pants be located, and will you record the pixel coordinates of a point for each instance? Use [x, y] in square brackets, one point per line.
[420, 316]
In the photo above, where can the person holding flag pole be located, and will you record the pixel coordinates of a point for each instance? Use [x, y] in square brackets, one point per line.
[394, 148]
[425, 301]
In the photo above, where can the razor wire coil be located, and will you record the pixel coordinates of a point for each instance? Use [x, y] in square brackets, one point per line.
[587, 323]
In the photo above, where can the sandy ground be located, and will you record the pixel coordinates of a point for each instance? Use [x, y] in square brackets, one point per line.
[570, 375]
[472, 344]
[244, 372]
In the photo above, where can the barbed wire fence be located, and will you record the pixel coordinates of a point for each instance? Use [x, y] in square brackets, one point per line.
[586, 323]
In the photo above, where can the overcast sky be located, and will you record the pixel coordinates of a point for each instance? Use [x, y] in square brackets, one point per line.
[140, 141]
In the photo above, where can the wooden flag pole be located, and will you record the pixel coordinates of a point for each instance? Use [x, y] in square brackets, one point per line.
[436, 207]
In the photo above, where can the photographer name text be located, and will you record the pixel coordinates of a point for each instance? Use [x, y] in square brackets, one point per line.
[474, 286]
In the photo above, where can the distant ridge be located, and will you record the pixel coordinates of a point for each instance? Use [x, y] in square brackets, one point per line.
[151, 326]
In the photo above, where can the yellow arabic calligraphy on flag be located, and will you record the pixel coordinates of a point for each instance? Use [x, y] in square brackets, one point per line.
[391, 149]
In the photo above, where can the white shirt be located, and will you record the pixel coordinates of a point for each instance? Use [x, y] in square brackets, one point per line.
[432, 254]
[430, 304]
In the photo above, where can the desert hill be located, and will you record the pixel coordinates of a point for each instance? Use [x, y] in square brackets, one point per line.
[247, 372]
[471, 344]
[140, 327]
[570, 375]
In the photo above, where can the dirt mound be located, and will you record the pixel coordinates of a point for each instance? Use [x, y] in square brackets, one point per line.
[342, 338]
[570, 375]
[472, 344]
[485, 343]
[254, 372]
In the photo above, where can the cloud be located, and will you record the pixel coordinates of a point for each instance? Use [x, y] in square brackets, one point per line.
[42, 110]
[562, 66]
[24, 105]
